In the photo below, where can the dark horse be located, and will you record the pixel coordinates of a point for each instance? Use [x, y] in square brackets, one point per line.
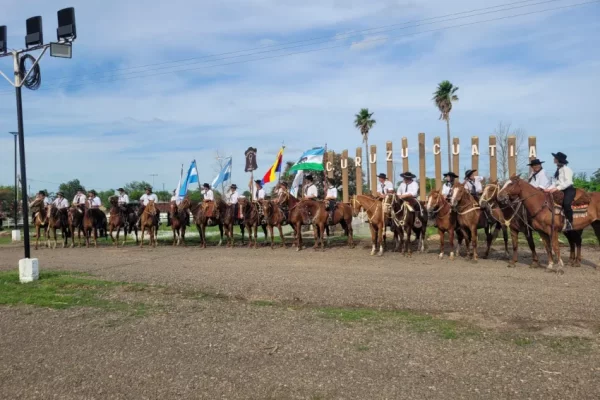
[121, 217]
[406, 219]
[75, 214]
[57, 219]
[209, 213]
[93, 218]
[179, 215]
[251, 220]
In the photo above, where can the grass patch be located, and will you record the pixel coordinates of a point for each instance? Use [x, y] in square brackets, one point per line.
[445, 329]
[61, 290]
[522, 341]
[263, 303]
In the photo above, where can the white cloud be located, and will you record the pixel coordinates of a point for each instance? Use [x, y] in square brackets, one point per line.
[369, 42]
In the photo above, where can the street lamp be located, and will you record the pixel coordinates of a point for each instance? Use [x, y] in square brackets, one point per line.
[31, 79]
[16, 186]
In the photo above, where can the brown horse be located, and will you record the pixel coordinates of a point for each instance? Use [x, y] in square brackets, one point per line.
[40, 221]
[75, 215]
[307, 212]
[251, 220]
[179, 215]
[441, 211]
[92, 218]
[57, 219]
[274, 216]
[377, 221]
[117, 219]
[470, 218]
[406, 218]
[547, 220]
[209, 214]
[342, 214]
[148, 221]
[513, 217]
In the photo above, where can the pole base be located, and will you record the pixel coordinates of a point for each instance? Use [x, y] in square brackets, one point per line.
[16, 235]
[28, 270]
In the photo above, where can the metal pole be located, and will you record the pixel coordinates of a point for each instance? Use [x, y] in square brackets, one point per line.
[22, 155]
[16, 186]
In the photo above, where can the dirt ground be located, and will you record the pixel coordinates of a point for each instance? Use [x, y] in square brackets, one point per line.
[262, 333]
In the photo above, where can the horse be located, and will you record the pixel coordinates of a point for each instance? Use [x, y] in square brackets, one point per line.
[251, 220]
[342, 214]
[515, 219]
[547, 220]
[75, 215]
[148, 221]
[117, 220]
[440, 210]
[179, 215]
[40, 220]
[377, 221]
[470, 218]
[274, 216]
[405, 219]
[57, 219]
[92, 219]
[209, 214]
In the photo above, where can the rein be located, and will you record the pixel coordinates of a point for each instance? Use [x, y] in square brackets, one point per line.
[441, 207]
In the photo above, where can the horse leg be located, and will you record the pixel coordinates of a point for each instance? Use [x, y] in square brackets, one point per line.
[373, 238]
[514, 236]
[535, 263]
[576, 235]
[95, 237]
[220, 232]
[474, 241]
[142, 241]
[556, 248]
[174, 234]
[489, 238]
[281, 236]
[182, 234]
[441, 235]
[155, 233]
[271, 233]
[380, 239]
[505, 237]
[55, 241]
[350, 235]
[299, 236]
[256, 236]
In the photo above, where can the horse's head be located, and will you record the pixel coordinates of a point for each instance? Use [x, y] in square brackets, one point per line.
[173, 207]
[185, 203]
[267, 207]
[151, 208]
[458, 192]
[435, 202]
[512, 188]
[114, 201]
[356, 206]
[489, 195]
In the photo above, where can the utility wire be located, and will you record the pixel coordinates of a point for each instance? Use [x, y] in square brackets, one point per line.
[124, 77]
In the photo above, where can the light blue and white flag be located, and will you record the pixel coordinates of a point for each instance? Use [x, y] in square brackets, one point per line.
[223, 176]
[192, 177]
[296, 183]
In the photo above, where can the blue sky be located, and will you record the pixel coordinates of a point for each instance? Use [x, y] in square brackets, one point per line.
[92, 121]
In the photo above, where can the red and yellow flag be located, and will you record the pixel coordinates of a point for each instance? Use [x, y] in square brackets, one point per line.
[271, 174]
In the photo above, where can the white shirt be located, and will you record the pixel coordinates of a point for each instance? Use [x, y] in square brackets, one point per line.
[332, 193]
[47, 201]
[233, 197]
[539, 180]
[61, 203]
[176, 199]
[209, 195]
[476, 182]
[411, 188]
[565, 178]
[260, 193]
[145, 199]
[95, 202]
[311, 191]
[79, 199]
[383, 188]
[123, 198]
[447, 188]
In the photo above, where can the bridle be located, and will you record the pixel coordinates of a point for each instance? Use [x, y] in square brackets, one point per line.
[440, 207]
[474, 206]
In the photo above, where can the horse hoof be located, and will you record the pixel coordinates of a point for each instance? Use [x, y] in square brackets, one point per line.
[550, 269]
[441, 256]
[560, 271]
[372, 253]
[511, 265]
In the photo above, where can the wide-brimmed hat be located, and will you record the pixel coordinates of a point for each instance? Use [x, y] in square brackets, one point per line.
[561, 157]
[284, 184]
[206, 186]
[93, 192]
[309, 178]
[120, 190]
[408, 175]
[331, 181]
[148, 188]
[470, 172]
[61, 194]
[233, 186]
[80, 189]
[258, 181]
[43, 193]
[382, 176]
[451, 175]
[535, 161]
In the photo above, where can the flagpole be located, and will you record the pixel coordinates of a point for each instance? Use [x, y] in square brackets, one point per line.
[281, 165]
[198, 174]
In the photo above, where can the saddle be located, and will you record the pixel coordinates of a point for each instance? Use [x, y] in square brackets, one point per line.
[582, 199]
[208, 208]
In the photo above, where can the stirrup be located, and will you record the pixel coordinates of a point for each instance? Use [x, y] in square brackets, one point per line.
[568, 226]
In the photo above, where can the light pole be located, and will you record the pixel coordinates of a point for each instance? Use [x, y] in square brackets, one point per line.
[16, 186]
[153, 176]
[34, 40]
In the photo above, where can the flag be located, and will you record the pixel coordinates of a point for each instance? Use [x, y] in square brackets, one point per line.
[270, 176]
[296, 183]
[192, 177]
[223, 176]
[179, 183]
[311, 160]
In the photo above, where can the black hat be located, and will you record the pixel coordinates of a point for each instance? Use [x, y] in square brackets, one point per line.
[61, 194]
[309, 178]
[43, 193]
[148, 188]
[120, 190]
[259, 182]
[451, 174]
[80, 189]
[535, 161]
[93, 191]
[284, 183]
[470, 172]
[206, 186]
[331, 181]
[233, 186]
[382, 176]
[408, 175]
[561, 157]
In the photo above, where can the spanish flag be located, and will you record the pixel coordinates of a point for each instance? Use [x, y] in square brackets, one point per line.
[271, 174]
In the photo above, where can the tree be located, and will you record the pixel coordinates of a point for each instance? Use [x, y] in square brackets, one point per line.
[7, 201]
[220, 163]
[443, 98]
[136, 189]
[596, 176]
[104, 195]
[581, 181]
[502, 132]
[70, 188]
[364, 122]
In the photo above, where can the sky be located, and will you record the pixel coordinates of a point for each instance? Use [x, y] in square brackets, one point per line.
[153, 85]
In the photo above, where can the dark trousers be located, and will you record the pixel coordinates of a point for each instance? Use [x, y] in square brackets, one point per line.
[567, 203]
[331, 208]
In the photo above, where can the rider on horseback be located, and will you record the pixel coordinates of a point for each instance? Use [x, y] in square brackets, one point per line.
[145, 199]
[232, 200]
[259, 194]
[473, 184]
[409, 191]
[538, 178]
[79, 200]
[331, 198]
[62, 204]
[385, 186]
[310, 190]
[563, 181]
[123, 204]
[447, 186]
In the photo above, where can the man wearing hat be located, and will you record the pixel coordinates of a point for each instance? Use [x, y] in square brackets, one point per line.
[563, 181]
[258, 193]
[94, 200]
[331, 197]
[449, 182]
[79, 199]
[473, 184]
[145, 199]
[60, 202]
[538, 178]
[384, 187]
[409, 190]
[208, 201]
[232, 199]
[41, 195]
[175, 198]
[207, 193]
[310, 190]
[123, 197]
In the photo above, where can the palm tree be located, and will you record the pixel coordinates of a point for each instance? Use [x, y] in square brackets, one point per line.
[443, 98]
[364, 122]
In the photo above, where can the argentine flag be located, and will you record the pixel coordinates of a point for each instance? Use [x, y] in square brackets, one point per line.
[192, 177]
[311, 160]
[223, 176]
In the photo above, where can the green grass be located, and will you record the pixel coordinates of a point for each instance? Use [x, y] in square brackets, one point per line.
[263, 303]
[61, 290]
